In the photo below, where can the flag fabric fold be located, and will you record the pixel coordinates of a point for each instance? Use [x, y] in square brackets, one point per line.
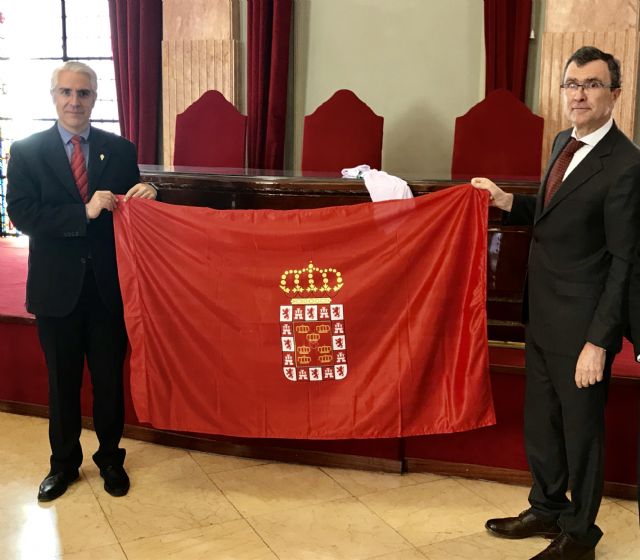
[360, 321]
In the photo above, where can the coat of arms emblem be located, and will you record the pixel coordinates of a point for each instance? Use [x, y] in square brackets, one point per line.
[312, 332]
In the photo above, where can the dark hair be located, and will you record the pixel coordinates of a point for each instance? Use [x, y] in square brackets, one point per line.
[585, 55]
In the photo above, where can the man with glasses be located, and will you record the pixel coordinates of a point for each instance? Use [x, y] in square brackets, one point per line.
[586, 221]
[62, 186]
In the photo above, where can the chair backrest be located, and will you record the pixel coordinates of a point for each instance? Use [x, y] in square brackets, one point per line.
[211, 132]
[342, 132]
[499, 138]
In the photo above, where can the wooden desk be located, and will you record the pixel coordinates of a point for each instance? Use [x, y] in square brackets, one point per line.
[225, 188]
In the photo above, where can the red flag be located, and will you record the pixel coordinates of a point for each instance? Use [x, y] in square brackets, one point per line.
[359, 321]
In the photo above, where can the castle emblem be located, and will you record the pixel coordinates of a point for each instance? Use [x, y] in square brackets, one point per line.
[312, 331]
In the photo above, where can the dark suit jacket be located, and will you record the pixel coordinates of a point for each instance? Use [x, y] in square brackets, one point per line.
[44, 203]
[582, 247]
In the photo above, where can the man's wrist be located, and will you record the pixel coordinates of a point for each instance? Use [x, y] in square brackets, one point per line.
[509, 204]
[596, 347]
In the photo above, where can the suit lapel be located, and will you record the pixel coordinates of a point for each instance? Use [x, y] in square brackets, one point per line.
[56, 157]
[586, 169]
[578, 177]
[99, 155]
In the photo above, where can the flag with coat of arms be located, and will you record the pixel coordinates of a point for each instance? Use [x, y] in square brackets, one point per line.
[363, 321]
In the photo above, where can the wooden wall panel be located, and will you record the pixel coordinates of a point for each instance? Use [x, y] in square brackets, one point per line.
[200, 52]
[189, 68]
[200, 19]
[591, 15]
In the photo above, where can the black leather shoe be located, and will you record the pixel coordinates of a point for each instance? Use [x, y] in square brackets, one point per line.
[527, 524]
[564, 548]
[116, 481]
[55, 484]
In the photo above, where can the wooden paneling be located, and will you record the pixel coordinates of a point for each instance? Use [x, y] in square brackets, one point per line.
[189, 68]
[570, 16]
[200, 52]
[610, 25]
[199, 19]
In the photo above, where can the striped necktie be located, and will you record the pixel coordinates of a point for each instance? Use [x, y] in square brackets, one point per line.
[559, 168]
[79, 169]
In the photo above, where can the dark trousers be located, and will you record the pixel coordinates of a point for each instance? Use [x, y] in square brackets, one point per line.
[90, 330]
[564, 436]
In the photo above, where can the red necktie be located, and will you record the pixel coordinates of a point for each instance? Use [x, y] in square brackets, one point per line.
[559, 168]
[79, 169]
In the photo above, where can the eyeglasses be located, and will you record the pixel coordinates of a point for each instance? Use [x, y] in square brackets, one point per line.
[67, 92]
[587, 85]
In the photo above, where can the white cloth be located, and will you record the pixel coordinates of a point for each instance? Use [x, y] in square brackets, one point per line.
[355, 172]
[382, 186]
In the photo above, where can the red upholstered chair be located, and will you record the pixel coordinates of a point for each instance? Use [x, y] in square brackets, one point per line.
[210, 133]
[342, 132]
[499, 138]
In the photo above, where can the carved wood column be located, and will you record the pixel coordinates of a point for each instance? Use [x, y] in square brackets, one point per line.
[610, 25]
[200, 51]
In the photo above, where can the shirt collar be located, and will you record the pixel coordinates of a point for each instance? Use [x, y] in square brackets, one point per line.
[594, 137]
[67, 136]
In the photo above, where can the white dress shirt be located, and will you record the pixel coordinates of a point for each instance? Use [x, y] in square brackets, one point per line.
[590, 141]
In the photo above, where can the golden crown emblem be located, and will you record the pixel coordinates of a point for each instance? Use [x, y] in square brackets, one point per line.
[311, 284]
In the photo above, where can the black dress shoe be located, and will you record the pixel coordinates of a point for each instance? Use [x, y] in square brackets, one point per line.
[116, 481]
[564, 548]
[527, 524]
[55, 484]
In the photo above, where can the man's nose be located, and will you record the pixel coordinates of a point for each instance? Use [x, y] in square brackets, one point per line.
[580, 94]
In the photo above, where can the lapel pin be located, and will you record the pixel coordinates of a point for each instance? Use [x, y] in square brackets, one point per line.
[101, 157]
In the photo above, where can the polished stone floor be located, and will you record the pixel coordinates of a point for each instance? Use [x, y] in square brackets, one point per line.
[187, 505]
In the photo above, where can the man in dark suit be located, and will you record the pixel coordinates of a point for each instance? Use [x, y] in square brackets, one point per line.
[585, 222]
[65, 205]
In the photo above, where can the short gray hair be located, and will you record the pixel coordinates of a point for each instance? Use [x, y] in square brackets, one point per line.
[75, 66]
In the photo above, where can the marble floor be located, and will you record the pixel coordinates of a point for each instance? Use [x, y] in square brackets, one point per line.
[188, 505]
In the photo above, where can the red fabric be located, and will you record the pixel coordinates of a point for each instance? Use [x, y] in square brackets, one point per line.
[136, 41]
[268, 31]
[342, 132]
[207, 319]
[210, 133]
[13, 277]
[625, 364]
[507, 26]
[79, 169]
[498, 138]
